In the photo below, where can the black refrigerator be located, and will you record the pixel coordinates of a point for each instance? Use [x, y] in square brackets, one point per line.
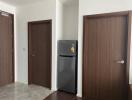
[67, 66]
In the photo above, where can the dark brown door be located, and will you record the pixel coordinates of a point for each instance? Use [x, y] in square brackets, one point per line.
[6, 49]
[105, 57]
[40, 53]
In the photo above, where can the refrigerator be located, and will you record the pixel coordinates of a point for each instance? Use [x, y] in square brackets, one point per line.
[67, 66]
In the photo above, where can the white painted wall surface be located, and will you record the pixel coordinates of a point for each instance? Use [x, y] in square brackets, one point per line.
[88, 7]
[11, 9]
[34, 12]
[70, 21]
[130, 81]
[7, 8]
[50, 9]
[59, 20]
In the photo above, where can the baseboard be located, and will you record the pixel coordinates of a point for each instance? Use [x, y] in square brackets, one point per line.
[21, 82]
[79, 95]
[53, 89]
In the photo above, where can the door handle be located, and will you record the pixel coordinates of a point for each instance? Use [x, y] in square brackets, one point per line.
[120, 62]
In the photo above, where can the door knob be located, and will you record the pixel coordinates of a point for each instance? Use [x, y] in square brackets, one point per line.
[120, 62]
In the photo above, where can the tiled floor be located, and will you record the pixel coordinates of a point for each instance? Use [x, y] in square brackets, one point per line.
[20, 91]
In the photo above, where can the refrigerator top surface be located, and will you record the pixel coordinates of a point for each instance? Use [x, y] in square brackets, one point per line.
[67, 47]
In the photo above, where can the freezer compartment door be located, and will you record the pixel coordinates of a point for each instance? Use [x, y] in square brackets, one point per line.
[67, 47]
[67, 80]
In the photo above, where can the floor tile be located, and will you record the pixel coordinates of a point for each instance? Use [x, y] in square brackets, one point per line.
[20, 91]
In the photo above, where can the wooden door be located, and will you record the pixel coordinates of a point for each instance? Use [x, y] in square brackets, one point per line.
[40, 53]
[105, 57]
[6, 49]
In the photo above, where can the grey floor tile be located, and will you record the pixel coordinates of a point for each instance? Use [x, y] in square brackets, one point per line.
[19, 91]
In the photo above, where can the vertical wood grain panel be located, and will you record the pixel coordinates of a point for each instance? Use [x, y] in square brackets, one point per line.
[6, 49]
[105, 43]
[40, 40]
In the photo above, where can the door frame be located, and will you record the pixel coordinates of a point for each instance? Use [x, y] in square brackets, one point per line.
[122, 13]
[13, 45]
[29, 46]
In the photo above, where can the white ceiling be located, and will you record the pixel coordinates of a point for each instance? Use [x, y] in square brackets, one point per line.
[23, 2]
[19, 2]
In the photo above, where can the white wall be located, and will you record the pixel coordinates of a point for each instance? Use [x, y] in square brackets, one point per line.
[11, 9]
[130, 81]
[7, 8]
[59, 28]
[70, 21]
[51, 9]
[88, 7]
[59, 20]
[34, 12]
